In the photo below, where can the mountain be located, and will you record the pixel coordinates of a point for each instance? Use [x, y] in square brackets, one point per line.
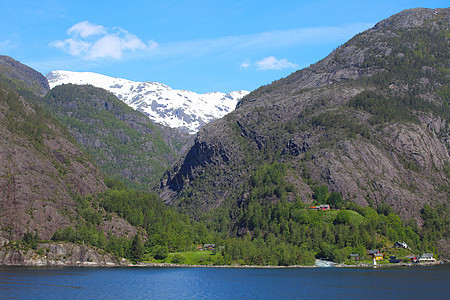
[23, 76]
[185, 110]
[124, 142]
[42, 169]
[368, 122]
[51, 188]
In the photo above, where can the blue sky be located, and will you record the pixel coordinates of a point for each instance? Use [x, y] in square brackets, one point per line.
[203, 45]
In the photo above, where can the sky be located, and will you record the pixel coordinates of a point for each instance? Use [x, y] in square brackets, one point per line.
[202, 46]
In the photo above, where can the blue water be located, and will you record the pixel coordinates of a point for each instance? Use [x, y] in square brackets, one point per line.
[224, 283]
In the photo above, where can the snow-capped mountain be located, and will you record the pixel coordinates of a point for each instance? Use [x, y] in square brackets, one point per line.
[181, 109]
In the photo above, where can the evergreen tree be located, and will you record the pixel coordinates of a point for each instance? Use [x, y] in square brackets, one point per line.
[137, 249]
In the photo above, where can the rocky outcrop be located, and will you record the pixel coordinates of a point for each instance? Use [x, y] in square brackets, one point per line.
[59, 254]
[412, 18]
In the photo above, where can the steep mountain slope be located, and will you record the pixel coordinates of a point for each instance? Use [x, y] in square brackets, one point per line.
[185, 110]
[41, 169]
[23, 75]
[370, 121]
[124, 142]
[51, 189]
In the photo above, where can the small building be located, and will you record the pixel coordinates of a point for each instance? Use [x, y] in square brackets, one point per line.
[399, 244]
[378, 256]
[412, 258]
[209, 246]
[354, 257]
[394, 260]
[427, 257]
[373, 252]
[322, 207]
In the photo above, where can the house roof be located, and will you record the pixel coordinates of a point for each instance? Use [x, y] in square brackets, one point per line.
[427, 255]
[401, 244]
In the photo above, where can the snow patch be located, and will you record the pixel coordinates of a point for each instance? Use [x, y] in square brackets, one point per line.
[158, 101]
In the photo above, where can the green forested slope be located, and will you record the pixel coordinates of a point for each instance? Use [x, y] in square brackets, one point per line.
[124, 142]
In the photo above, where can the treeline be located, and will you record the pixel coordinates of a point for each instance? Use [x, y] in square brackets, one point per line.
[272, 227]
[271, 230]
[161, 228]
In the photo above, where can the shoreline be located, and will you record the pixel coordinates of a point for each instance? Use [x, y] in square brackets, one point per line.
[66, 254]
[171, 265]
[336, 265]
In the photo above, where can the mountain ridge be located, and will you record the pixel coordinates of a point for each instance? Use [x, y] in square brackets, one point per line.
[23, 75]
[369, 121]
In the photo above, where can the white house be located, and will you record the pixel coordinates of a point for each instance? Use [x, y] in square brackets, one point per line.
[427, 257]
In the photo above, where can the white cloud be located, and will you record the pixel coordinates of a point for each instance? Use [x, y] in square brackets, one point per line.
[71, 46]
[272, 63]
[85, 29]
[245, 64]
[92, 42]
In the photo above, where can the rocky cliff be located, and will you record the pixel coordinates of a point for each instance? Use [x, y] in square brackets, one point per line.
[41, 169]
[58, 254]
[369, 121]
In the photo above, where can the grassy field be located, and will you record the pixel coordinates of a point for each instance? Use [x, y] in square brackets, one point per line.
[355, 217]
[203, 257]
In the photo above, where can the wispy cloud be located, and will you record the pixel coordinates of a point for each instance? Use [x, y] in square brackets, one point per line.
[92, 42]
[6, 45]
[272, 63]
[268, 63]
[260, 41]
[95, 44]
[245, 64]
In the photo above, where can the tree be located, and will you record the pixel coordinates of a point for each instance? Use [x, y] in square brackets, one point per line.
[31, 240]
[160, 252]
[343, 217]
[385, 209]
[137, 249]
[320, 193]
[335, 200]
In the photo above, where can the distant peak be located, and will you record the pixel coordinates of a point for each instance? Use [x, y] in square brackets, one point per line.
[413, 17]
[182, 109]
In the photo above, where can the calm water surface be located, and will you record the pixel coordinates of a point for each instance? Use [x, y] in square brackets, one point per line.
[224, 283]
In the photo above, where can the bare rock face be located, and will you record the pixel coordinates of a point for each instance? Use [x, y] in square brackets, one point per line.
[59, 254]
[411, 18]
[391, 148]
[119, 227]
[41, 169]
[367, 174]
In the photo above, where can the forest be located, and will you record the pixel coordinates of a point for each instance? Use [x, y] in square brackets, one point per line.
[266, 230]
